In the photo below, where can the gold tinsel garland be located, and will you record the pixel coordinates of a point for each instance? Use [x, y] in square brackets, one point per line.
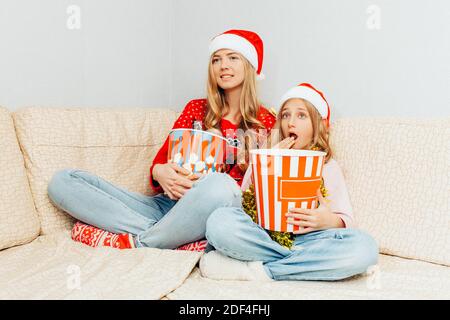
[286, 239]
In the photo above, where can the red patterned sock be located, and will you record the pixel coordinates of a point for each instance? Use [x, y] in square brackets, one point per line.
[199, 246]
[96, 237]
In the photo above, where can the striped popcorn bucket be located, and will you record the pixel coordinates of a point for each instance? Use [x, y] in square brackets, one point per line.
[198, 151]
[285, 178]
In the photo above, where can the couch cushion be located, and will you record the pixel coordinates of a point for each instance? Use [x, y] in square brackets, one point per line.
[397, 171]
[392, 278]
[55, 267]
[19, 222]
[117, 144]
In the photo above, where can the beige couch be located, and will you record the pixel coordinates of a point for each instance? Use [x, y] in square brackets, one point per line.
[397, 171]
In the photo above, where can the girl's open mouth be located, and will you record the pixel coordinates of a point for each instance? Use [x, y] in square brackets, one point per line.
[292, 135]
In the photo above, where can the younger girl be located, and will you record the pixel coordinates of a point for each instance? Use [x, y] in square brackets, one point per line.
[326, 247]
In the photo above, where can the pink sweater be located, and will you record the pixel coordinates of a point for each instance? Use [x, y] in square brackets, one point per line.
[338, 198]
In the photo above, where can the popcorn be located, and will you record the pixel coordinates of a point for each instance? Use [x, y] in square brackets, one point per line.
[209, 160]
[177, 158]
[199, 166]
[197, 150]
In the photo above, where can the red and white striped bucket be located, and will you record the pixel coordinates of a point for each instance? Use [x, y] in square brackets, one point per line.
[285, 178]
[199, 151]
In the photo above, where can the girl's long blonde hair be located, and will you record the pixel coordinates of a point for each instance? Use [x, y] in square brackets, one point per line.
[321, 132]
[217, 107]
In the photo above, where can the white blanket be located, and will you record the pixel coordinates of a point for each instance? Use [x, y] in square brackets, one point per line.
[55, 267]
[393, 278]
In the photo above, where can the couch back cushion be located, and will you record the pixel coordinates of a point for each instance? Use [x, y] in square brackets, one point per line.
[117, 144]
[19, 222]
[398, 177]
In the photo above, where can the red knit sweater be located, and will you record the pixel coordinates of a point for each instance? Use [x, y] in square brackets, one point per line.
[196, 110]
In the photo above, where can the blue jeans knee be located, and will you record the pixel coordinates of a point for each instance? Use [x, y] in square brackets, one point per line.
[367, 250]
[219, 228]
[219, 189]
[364, 252]
[58, 185]
[224, 230]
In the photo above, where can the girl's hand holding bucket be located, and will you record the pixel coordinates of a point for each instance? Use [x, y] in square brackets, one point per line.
[310, 220]
[174, 180]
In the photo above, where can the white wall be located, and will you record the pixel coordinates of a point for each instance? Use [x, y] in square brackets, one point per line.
[401, 69]
[119, 56]
[154, 52]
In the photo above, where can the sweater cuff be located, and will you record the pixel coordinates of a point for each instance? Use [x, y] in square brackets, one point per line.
[153, 183]
[348, 222]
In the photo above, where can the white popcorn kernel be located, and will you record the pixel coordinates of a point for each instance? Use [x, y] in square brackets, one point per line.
[177, 158]
[199, 166]
[209, 159]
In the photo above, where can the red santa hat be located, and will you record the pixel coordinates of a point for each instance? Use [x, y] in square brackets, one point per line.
[247, 43]
[308, 92]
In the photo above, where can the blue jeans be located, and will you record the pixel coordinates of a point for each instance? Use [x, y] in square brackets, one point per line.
[155, 221]
[332, 254]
